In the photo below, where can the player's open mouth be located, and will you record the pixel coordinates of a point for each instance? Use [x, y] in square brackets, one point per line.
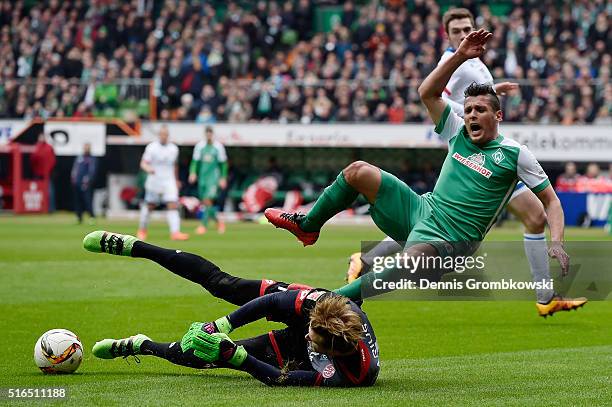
[474, 127]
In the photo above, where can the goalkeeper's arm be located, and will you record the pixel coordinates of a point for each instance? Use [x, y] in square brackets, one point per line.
[220, 348]
[278, 307]
[273, 376]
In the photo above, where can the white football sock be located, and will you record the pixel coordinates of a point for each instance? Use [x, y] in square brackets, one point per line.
[536, 250]
[174, 220]
[144, 216]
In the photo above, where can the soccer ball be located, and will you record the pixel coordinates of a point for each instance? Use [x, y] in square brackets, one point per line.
[58, 351]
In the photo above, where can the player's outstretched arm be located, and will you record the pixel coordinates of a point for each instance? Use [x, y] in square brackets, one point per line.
[556, 222]
[278, 307]
[272, 376]
[215, 348]
[432, 87]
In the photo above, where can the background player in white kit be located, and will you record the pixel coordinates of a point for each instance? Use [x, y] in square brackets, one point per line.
[159, 161]
[524, 204]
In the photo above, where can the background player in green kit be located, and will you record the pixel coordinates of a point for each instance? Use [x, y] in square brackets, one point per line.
[476, 181]
[209, 168]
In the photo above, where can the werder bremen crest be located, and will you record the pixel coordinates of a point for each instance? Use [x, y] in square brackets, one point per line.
[498, 156]
[477, 158]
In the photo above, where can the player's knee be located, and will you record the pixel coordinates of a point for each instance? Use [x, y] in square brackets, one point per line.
[357, 171]
[535, 221]
[219, 285]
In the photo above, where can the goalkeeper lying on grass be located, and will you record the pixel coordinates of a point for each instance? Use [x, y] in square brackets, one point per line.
[328, 340]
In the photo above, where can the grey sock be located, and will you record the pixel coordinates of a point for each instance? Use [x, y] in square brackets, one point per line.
[536, 250]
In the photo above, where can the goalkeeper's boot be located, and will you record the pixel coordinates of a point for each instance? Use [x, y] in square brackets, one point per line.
[558, 303]
[355, 267]
[114, 348]
[291, 222]
[101, 241]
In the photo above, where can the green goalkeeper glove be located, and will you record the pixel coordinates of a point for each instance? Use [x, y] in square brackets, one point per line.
[217, 347]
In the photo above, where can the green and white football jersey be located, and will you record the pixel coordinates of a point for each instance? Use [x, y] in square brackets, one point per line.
[476, 181]
[206, 161]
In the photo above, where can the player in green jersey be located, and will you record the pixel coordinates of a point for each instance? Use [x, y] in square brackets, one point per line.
[209, 168]
[476, 181]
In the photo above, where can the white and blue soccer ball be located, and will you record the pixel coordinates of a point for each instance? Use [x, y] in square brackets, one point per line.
[58, 351]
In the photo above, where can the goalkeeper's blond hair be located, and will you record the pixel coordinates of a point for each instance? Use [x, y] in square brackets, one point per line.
[340, 326]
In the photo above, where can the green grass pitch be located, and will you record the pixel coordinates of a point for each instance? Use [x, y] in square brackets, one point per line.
[433, 353]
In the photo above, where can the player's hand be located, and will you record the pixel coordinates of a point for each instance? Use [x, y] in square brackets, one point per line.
[191, 341]
[473, 45]
[231, 353]
[504, 87]
[556, 251]
[192, 178]
[217, 347]
[222, 183]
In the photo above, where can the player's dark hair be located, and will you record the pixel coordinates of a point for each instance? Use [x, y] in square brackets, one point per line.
[478, 89]
[456, 14]
[208, 129]
[339, 326]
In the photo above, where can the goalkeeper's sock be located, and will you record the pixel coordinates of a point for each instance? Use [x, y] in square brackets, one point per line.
[173, 353]
[536, 250]
[351, 290]
[335, 198]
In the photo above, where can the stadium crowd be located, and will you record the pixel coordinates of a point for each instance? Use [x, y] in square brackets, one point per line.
[267, 63]
[593, 180]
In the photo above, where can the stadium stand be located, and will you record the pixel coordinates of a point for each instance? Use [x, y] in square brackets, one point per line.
[303, 61]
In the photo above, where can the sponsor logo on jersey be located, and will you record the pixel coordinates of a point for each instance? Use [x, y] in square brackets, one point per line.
[328, 371]
[485, 172]
[315, 295]
[498, 156]
[478, 158]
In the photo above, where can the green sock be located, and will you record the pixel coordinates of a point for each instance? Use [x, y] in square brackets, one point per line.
[212, 212]
[351, 290]
[204, 219]
[364, 285]
[335, 198]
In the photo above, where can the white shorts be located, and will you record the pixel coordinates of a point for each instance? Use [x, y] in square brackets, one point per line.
[519, 189]
[156, 193]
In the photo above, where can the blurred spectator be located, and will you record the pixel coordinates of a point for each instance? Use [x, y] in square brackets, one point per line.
[82, 177]
[267, 63]
[237, 45]
[592, 180]
[567, 182]
[43, 161]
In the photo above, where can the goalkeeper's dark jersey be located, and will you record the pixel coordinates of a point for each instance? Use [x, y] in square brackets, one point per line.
[293, 307]
[358, 370]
